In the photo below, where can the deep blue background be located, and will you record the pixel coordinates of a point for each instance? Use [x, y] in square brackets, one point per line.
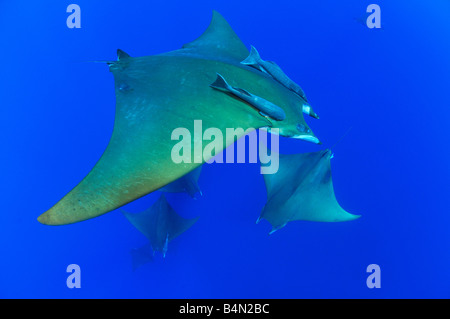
[392, 86]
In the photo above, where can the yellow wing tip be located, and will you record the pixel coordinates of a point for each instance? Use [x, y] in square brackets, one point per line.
[43, 219]
[48, 218]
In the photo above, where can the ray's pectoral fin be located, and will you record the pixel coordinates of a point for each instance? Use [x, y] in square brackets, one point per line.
[265, 108]
[302, 189]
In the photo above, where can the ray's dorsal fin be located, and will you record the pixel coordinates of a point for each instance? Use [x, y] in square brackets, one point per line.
[122, 55]
[219, 39]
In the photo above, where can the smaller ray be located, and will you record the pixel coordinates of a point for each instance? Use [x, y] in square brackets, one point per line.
[160, 224]
[302, 189]
[187, 184]
[141, 256]
[265, 108]
[271, 68]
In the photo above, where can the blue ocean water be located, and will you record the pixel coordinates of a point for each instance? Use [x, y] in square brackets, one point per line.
[390, 85]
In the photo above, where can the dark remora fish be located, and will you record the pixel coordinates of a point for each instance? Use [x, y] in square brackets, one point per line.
[264, 107]
[269, 67]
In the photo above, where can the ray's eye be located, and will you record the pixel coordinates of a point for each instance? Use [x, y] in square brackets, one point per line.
[124, 87]
[301, 128]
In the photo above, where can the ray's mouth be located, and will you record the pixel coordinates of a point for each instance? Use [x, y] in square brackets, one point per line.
[305, 134]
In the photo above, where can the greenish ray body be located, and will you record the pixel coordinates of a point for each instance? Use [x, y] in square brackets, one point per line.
[157, 94]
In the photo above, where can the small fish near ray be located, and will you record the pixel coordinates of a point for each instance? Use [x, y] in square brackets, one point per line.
[186, 184]
[156, 95]
[271, 68]
[302, 189]
[160, 224]
[265, 108]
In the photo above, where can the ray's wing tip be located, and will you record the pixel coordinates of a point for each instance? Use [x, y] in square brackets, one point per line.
[216, 15]
[349, 217]
[42, 219]
[55, 217]
[48, 219]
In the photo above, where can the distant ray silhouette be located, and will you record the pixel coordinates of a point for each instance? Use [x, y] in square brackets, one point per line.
[141, 256]
[160, 224]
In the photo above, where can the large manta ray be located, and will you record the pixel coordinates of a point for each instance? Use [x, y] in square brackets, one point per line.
[157, 94]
